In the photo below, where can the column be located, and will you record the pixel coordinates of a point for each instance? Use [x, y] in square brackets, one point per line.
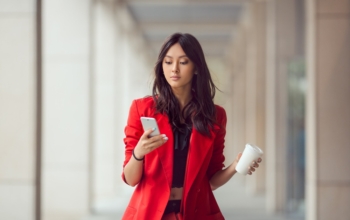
[255, 88]
[328, 107]
[221, 69]
[281, 18]
[66, 109]
[105, 111]
[239, 90]
[18, 97]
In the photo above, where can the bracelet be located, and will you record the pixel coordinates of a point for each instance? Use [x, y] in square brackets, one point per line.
[133, 154]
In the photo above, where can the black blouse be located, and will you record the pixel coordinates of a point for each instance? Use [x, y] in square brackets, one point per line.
[181, 144]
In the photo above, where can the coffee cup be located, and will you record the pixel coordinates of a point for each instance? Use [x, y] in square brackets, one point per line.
[250, 154]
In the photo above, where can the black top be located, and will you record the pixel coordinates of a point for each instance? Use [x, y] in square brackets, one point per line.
[182, 136]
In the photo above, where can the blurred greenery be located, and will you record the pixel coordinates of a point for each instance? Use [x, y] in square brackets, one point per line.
[296, 135]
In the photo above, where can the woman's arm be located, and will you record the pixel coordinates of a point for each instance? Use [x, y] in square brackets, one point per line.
[223, 176]
[137, 141]
[133, 171]
[134, 168]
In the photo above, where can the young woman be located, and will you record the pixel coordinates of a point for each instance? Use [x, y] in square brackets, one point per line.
[176, 171]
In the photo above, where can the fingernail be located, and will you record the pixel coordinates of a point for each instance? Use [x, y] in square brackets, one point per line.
[153, 129]
[165, 138]
[163, 135]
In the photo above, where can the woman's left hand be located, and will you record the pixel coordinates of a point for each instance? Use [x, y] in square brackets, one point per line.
[252, 167]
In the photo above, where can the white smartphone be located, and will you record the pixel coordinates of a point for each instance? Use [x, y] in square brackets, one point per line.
[150, 123]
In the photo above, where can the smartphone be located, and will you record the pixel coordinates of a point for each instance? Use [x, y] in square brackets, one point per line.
[150, 123]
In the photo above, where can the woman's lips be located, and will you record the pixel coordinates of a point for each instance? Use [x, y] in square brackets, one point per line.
[175, 78]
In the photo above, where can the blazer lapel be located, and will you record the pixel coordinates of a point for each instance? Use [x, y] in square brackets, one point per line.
[199, 147]
[198, 150]
[165, 152]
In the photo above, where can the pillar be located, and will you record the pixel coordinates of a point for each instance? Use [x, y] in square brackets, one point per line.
[281, 49]
[105, 111]
[66, 109]
[328, 107]
[18, 110]
[255, 88]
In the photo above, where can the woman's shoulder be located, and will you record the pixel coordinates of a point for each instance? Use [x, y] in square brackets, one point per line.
[220, 114]
[145, 106]
[145, 101]
[220, 110]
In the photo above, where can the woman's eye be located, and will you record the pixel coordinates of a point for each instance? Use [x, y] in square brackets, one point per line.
[167, 62]
[183, 63]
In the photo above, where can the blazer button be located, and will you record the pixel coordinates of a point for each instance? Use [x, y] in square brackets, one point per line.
[195, 210]
[198, 190]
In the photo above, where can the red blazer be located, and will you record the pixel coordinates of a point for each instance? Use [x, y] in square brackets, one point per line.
[205, 158]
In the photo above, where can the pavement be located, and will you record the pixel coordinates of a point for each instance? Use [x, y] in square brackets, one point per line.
[234, 202]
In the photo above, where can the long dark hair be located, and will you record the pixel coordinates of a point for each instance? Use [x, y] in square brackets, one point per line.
[200, 111]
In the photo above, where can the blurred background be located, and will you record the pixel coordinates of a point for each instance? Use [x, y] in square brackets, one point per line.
[69, 70]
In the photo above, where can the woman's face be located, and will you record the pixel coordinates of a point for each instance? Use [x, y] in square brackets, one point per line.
[178, 68]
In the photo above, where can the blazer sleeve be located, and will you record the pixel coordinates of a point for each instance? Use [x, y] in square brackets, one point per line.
[217, 160]
[133, 132]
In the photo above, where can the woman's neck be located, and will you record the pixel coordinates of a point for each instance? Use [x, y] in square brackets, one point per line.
[183, 96]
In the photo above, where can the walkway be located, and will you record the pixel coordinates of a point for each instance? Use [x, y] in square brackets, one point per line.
[234, 202]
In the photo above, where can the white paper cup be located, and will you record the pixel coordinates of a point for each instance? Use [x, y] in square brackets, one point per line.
[250, 153]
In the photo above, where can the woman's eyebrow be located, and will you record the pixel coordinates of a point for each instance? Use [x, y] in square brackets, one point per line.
[172, 57]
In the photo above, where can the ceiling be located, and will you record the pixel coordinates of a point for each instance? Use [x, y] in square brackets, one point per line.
[212, 22]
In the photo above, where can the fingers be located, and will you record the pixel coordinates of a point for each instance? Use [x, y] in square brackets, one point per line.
[255, 164]
[251, 170]
[147, 133]
[156, 141]
[153, 139]
[147, 144]
[239, 155]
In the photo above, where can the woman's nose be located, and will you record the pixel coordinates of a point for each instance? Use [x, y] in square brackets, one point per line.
[175, 68]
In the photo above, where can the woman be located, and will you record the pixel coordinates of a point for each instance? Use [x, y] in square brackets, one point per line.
[176, 171]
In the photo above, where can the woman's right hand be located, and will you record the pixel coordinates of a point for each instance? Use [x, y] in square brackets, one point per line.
[148, 144]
